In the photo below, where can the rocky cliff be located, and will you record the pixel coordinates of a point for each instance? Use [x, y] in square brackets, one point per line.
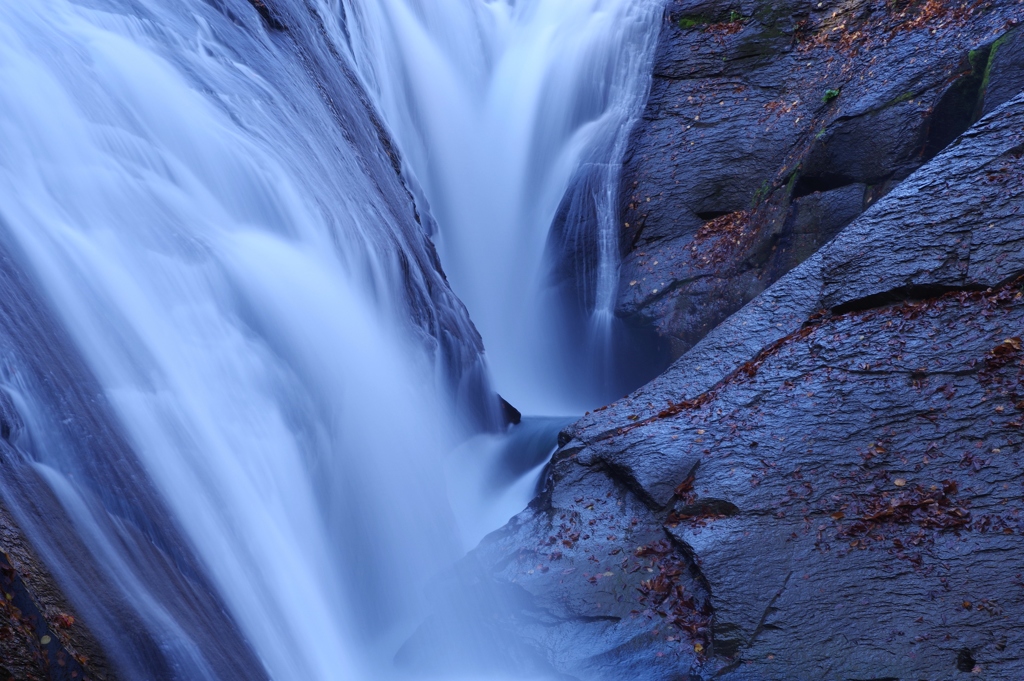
[771, 126]
[827, 483]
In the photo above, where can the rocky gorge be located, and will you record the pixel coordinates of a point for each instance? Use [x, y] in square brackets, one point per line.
[821, 222]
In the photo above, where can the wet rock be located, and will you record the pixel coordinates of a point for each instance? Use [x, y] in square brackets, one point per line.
[819, 216]
[756, 106]
[510, 414]
[1005, 75]
[827, 486]
[61, 594]
[41, 636]
[875, 477]
[267, 15]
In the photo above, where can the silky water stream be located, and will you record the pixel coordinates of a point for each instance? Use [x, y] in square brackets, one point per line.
[246, 419]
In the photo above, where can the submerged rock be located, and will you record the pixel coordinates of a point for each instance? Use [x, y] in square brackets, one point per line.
[828, 486]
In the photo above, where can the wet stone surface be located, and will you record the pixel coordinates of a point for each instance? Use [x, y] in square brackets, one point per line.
[852, 501]
[830, 485]
[790, 119]
[40, 638]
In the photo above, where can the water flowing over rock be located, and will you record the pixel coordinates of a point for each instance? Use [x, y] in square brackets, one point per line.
[228, 340]
[249, 431]
[826, 486]
[513, 118]
[237, 369]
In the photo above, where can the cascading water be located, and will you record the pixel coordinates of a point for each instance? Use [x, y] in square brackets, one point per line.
[232, 371]
[514, 116]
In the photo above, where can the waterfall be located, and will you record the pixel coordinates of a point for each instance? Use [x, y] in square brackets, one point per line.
[232, 374]
[510, 115]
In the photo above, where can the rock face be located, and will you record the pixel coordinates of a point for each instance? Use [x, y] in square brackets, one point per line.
[40, 638]
[827, 486]
[771, 126]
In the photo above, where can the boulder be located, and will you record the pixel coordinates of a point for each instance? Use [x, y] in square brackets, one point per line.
[760, 112]
[827, 486]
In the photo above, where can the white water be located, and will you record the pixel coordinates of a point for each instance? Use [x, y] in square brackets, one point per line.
[233, 272]
[496, 105]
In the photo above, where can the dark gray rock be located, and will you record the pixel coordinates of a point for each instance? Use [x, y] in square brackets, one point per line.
[1005, 77]
[820, 216]
[569, 589]
[955, 223]
[828, 486]
[41, 636]
[872, 477]
[756, 106]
